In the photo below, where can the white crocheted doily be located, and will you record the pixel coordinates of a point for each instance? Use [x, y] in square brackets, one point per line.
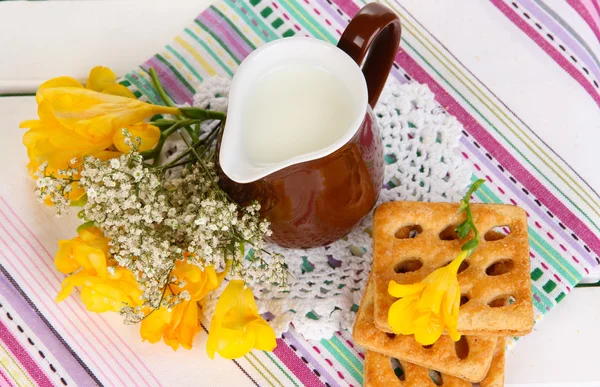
[422, 163]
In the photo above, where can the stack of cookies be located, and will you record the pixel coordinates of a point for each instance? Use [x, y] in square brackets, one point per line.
[410, 241]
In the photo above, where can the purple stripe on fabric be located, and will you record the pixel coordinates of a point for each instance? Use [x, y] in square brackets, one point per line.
[68, 305]
[289, 336]
[503, 156]
[289, 358]
[23, 357]
[51, 340]
[550, 50]
[585, 15]
[332, 12]
[558, 31]
[172, 85]
[106, 329]
[529, 202]
[228, 35]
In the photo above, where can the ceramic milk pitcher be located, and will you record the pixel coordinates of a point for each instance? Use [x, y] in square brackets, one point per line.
[313, 182]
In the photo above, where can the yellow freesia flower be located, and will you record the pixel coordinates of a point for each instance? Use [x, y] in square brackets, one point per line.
[175, 326]
[56, 145]
[86, 258]
[95, 115]
[236, 327]
[49, 140]
[426, 308]
[180, 325]
[86, 251]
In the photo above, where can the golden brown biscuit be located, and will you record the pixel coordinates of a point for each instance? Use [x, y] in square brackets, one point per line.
[381, 370]
[496, 272]
[495, 376]
[468, 359]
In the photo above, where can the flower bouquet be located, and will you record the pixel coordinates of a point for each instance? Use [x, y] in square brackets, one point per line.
[155, 237]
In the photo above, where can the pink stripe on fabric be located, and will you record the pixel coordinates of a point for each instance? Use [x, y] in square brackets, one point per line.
[175, 89]
[23, 357]
[500, 153]
[68, 305]
[294, 364]
[550, 50]
[51, 269]
[64, 316]
[226, 33]
[586, 13]
[490, 143]
[5, 378]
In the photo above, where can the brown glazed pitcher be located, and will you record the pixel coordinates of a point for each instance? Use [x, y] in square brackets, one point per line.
[316, 198]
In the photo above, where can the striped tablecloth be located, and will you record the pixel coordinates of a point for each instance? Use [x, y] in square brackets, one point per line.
[48, 344]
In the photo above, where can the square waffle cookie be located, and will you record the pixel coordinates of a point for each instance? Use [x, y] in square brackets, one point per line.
[381, 371]
[412, 239]
[468, 359]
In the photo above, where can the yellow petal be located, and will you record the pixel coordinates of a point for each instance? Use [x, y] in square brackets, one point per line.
[100, 77]
[155, 324]
[118, 89]
[265, 336]
[397, 290]
[147, 133]
[95, 115]
[56, 82]
[401, 316]
[429, 329]
[63, 261]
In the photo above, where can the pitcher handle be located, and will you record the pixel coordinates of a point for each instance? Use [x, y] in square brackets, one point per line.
[374, 30]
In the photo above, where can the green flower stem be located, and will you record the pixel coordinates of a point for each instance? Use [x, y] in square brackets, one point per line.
[468, 225]
[192, 134]
[159, 89]
[201, 114]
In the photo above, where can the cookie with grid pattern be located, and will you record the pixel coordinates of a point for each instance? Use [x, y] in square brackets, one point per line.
[468, 359]
[384, 371]
[412, 239]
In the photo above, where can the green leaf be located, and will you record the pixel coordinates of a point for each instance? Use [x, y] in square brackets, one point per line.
[470, 245]
[463, 229]
[79, 202]
[85, 225]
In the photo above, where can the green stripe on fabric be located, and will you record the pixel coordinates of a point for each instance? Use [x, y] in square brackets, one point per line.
[210, 51]
[314, 27]
[215, 37]
[540, 246]
[274, 378]
[529, 141]
[177, 73]
[185, 62]
[553, 258]
[338, 353]
[281, 369]
[261, 25]
[542, 295]
[247, 357]
[498, 131]
[237, 31]
[357, 363]
[537, 304]
[140, 82]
